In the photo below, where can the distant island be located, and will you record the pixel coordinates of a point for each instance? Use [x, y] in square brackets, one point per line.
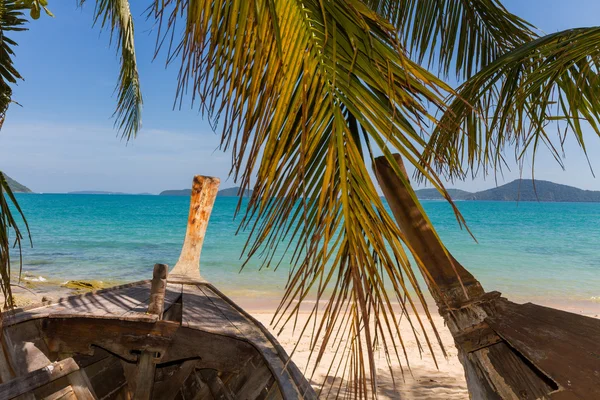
[519, 190]
[15, 186]
[434, 194]
[229, 192]
[103, 192]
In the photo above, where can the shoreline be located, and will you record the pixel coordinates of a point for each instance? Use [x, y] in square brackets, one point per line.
[31, 289]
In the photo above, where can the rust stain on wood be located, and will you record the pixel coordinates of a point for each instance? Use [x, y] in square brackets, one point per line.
[204, 193]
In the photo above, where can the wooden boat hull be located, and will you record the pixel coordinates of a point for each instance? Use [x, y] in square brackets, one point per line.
[204, 347]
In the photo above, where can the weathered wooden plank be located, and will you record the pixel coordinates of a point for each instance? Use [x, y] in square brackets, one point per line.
[214, 351]
[156, 304]
[31, 381]
[204, 192]
[579, 325]
[114, 303]
[6, 370]
[167, 389]
[144, 381]
[452, 283]
[274, 393]
[215, 384]
[82, 302]
[77, 335]
[172, 294]
[106, 377]
[256, 383]
[85, 361]
[65, 393]
[477, 337]
[81, 385]
[569, 357]
[194, 388]
[201, 312]
[517, 376]
[459, 296]
[25, 349]
[289, 378]
[564, 395]
[174, 312]
[130, 371]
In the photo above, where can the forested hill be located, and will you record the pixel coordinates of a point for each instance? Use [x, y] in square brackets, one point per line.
[519, 190]
[16, 186]
[434, 194]
[529, 190]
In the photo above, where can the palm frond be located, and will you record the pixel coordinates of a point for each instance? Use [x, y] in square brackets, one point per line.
[537, 94]
[116, 15]
[8, 223]
[12, 19]
[307, 91]
[455, 35]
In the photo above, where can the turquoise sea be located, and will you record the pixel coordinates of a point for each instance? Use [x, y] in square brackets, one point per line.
[528, 251]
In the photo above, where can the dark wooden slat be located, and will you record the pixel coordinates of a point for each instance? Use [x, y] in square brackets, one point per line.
[81, 385]
[517, 375]
[215, 384]
[290, 380]
[106, 377]
[567, 352]
[574, 323]
[214, 351]
[156, 303]
[65, 393]
[144, 382]
[201, 312]
[194, 388]
[255, 384]
[167, 389]
[173, 292]
[31, 381]
[564, 395]
[114, 303]
[81, 303]
[119, 336]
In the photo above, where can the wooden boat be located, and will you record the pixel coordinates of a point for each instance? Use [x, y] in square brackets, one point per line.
[173, 337]
[508, 350]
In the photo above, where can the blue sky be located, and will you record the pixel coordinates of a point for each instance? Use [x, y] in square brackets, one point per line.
[62, 139]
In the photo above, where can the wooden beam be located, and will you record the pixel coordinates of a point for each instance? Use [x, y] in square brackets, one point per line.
[448, 275]
[204, 193]
[168, 389]
[27, 383]
[156, 305]
[81, 385]
[79, 335]
[146, 366]
[215, 384]
[493, 369]
[144, 382]
[65, 393]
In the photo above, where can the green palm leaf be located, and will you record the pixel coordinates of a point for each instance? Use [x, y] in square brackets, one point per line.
[455, 35]
[8, 223]
[307, 92]
[12, 19]
[116, 15]
[534, 95]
